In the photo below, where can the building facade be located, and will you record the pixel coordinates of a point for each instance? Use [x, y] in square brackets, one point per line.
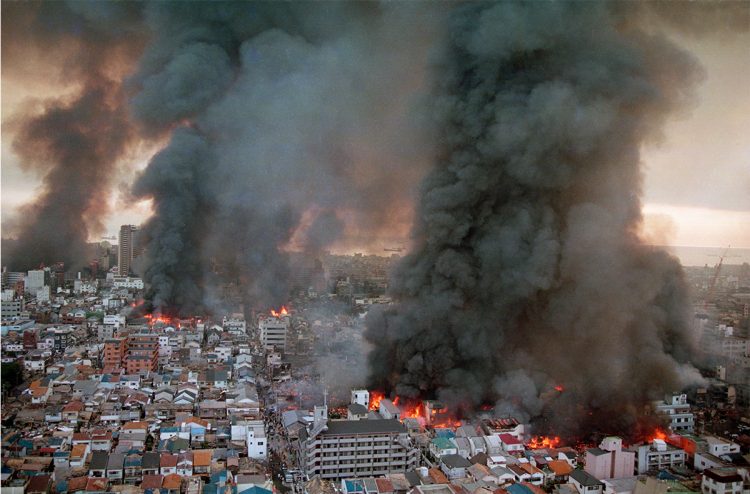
[356, 448]
[126, 249]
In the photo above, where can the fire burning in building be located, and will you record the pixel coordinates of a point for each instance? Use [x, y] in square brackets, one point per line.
[428, 412]
[657, 434]
[539, 442]
[375, 398]
[282, 312]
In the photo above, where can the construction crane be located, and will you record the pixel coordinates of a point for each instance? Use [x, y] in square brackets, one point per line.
[715, 278]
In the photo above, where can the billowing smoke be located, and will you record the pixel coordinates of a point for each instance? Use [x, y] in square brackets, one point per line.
[292, 125]
[528, 272]
[74, 141]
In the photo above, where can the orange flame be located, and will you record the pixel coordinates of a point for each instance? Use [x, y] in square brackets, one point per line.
[280, 313]
[559, 388]
[658, 434]
[413, 412]
[375, 398]
[447, 424]
[538, 442]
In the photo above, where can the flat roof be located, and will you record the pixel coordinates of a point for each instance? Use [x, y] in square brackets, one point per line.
[346, 427]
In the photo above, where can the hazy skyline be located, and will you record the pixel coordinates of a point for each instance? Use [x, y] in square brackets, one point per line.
[696, 183]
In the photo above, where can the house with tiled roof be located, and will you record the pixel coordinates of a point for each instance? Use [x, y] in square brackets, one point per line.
[167, 464]
[96, 485]
[115, 467]
[151, 461]
[185, 464]
[38, 484]
[172, 483]
[202, 461]
[133, 468]
[153, 482]
[71, 411]
[78, 454]
[98, 465]
[77, 484]
[561, 470]
[101, 440]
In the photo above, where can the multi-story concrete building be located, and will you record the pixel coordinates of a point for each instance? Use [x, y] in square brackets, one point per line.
[355, 448]
[235, 324]
[127, 282]
[257, 443]
[143, 353]
[11, 278]
[115, 350]
[273, 333]
[61, 337]
[126, 249]
[721, 481]
[609, 461]
[11, 309]
[657, 455]
[35, 280]
[677, 409]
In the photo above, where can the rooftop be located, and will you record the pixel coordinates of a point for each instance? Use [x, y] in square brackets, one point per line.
[347, 427]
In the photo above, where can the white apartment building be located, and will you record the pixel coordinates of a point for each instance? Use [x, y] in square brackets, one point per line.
[676, 407]
[234, 324]
[127, 282]
[273, 333]
[34, 280]
[257, 443]
[339, 449]
[721, 481]
[656, 456]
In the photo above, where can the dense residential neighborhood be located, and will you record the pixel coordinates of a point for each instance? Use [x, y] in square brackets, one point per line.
[99, 395]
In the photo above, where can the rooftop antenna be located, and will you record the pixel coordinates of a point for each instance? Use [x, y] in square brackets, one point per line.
[325, 397]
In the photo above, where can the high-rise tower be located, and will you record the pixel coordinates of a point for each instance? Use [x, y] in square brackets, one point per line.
[127, 248]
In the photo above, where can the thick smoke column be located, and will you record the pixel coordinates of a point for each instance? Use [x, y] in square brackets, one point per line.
[528, 271]
[291, 122]
[73, 141]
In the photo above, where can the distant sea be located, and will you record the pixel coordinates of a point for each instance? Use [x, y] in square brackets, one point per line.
[700, 256]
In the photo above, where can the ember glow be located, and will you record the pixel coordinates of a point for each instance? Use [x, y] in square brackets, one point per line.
[280, 313]
[152, 319]
[559, 388]
[539, 442]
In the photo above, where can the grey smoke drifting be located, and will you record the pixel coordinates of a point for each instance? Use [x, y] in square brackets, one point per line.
[300, 116]
[73, 142]
[528, 271]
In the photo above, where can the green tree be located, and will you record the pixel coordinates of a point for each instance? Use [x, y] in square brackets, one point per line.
[11, 375]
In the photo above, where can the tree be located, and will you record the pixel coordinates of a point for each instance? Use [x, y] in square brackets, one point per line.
[11, 375]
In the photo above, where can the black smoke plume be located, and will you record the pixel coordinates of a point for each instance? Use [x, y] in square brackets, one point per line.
[528, 272]
[286, 118]
[73, 142]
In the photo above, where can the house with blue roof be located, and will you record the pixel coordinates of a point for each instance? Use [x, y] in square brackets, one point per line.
[256, 490]
[445, 433]
[518, 489]
[441, 446]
